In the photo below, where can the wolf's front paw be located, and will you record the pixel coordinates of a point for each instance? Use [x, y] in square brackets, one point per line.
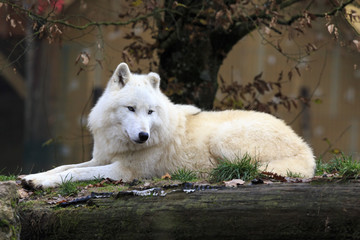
[38, 181]
[29, 183]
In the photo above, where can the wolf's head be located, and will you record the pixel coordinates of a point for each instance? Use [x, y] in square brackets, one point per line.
[131, 110]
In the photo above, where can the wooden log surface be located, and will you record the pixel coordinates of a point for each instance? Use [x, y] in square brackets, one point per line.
[277, 211]
[9, 221]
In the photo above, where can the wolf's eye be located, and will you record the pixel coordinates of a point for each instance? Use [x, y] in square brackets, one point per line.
[131, 109]
[150, 112]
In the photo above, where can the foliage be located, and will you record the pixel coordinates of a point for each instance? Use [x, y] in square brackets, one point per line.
[293, 174]
[191, 38]
[248, 96]
[184, 175]
[321, 167]
[68, 187]
[43, 192]
[243, 168]
[7, 178]
[343, 165]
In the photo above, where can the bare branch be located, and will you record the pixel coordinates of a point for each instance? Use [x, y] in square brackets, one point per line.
[65, 23]
[320, 15]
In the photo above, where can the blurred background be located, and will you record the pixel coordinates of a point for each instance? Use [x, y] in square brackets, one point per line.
[298, 60]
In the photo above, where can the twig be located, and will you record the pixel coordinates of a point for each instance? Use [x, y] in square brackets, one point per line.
[337, 139]
[316, 87]
[320, 15]
[65, 23]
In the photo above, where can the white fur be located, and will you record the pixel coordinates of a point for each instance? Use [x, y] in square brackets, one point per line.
[179, 136]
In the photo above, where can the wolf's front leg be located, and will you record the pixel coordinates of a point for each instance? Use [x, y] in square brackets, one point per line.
[63, 168]
[28, 180]
[53, 179]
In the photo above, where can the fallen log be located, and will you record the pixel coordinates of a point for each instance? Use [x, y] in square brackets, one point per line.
[277, 211]
[9, 222]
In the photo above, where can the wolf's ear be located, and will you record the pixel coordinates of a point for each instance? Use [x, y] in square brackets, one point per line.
[122, 74]
[154, 79]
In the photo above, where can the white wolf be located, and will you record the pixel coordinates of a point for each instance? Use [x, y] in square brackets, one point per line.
[139, 133]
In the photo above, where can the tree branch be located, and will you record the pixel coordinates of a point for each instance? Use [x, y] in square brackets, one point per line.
[288, 3]
[320, 15]
[65, 23]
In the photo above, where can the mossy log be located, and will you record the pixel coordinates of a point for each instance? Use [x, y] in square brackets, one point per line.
[278, 211]
[9, 221]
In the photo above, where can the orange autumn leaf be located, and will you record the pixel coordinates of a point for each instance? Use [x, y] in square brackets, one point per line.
[167, 176]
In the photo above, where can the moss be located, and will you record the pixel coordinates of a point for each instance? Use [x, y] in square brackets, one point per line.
[7, 227]
[109, 188]
[28, 205]
[156, 180]
[4, 223]
[67, 223]
[13, 203]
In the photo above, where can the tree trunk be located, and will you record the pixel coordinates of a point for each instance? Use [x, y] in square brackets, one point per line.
[36, 117]
[189, 72]
[278, 211]
[191, 54]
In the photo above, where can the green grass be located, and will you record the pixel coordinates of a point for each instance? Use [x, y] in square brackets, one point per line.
[7, 178]
[344, 165]
[68, 187]
[322, 167]
[184, 175]
[293, 174]
[243, 168]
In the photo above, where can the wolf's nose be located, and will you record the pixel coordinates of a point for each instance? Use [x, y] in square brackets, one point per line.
[143, 136]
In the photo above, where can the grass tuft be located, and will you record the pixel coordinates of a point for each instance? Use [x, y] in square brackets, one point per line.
[68, 187]
[241, 168]
[7, 178]
[342, 164]
[293, 174]
[346, 166]
[322, 167]
[184, 175]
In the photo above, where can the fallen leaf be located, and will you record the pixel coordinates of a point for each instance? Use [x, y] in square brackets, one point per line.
[274, 176]
[166, 177]
[330, 175]
[293, 180]
[306, 180]
[234, 183]
[267, 182]
[22, 193]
